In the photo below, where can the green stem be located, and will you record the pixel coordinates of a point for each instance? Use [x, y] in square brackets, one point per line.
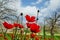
[18, 35]
[15, 34]
[5, 33]
[32, 38]
[25, 34]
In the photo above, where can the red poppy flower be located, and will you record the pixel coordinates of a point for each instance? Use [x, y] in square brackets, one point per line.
[33, 35]
[30, 19]
[16, 25]
[37, 38]
[27, 18]
[35, 28]
[7, 25]
[28, 25]
[10, 26]
[37, 31]
[20, 26]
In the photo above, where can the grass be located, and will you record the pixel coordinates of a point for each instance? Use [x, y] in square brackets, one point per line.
[47, 36]
[1, 38]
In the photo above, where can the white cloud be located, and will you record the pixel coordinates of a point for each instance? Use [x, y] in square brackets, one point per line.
[37, 2]
[54, 4]
[30, 10]
[14, 4]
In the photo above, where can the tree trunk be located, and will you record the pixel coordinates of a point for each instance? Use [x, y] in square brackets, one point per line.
[52, 31]
[44, 31]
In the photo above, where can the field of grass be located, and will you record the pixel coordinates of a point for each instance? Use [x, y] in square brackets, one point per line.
[56, 37]
[47, 36]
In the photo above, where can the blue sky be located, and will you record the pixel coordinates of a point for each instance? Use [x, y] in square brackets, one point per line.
[47, 7]
[30, 7]
[39, 5]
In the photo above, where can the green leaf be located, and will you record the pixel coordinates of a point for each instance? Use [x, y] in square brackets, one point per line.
[8, 37]
[1, 38]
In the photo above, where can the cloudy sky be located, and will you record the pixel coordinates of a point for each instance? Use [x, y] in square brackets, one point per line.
[30, 7]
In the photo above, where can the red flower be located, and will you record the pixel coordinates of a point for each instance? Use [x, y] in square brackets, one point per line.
[7, 25]
[34, 28]
[37, 38]
[20, 26]
[16, 25]
[10, 26]
[27, 18]
[28, 25]
[33, 35]
[30, 19]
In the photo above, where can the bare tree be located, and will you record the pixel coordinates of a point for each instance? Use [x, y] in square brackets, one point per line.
[6, 14]
[52, 22]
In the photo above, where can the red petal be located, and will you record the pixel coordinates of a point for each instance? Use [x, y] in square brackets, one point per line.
[8, 26]
[15, 24]
[33, 35]
[28, 25]
[28, 18]
[21, 26]
[34, 28]
[32, 18]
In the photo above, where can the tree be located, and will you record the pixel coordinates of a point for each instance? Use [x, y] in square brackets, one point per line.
[6, 14]
[52, 22]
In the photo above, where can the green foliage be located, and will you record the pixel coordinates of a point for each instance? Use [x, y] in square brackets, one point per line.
[1, 38]
[8, 37]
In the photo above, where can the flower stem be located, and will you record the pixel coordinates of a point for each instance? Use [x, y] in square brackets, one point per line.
[5, 33]
[32, 38]
[15, 33]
